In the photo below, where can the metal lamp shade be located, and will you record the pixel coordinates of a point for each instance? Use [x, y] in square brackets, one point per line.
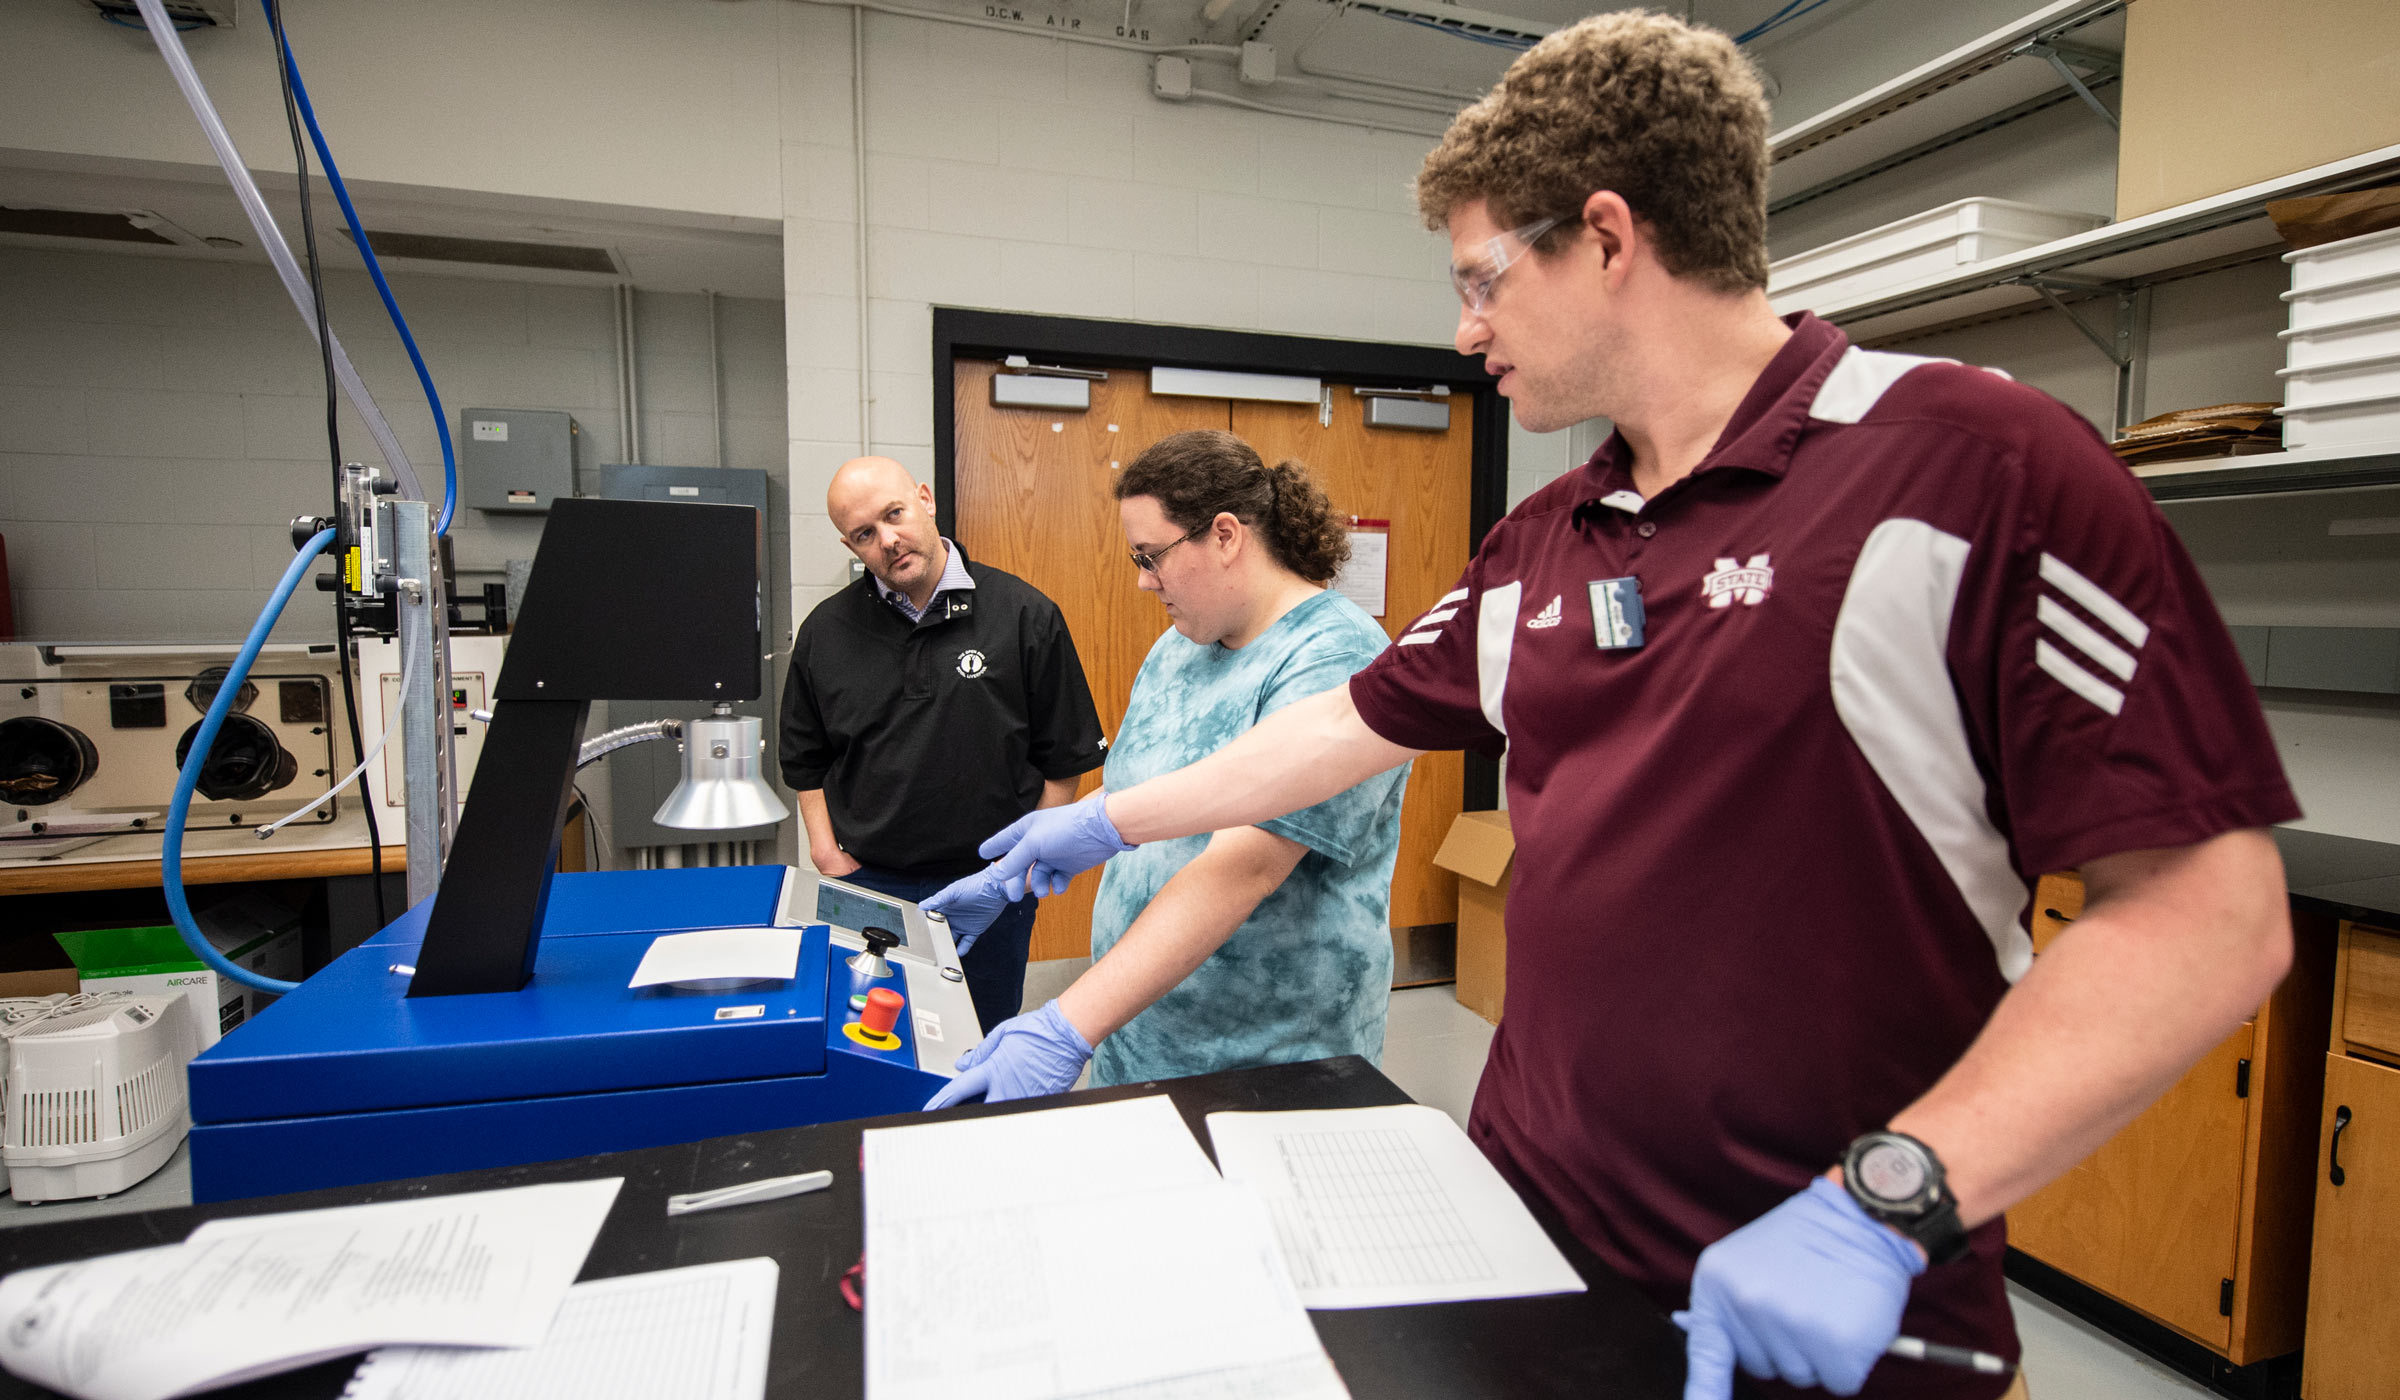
[722, 788]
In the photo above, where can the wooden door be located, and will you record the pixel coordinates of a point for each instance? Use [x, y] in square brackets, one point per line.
[2353, 1348]
[1034, 498]
[1420, 482]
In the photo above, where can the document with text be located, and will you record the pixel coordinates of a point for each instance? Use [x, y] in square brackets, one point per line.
[254, 1295]
[697, 1333]
[1075, 1252]
[1378, 1207]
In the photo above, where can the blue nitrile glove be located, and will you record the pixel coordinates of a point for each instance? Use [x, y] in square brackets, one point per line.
[1044, 849]
[1024, 1056]
[969, 905]
[1809, 1293]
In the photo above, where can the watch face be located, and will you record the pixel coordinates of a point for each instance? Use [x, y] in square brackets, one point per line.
[1890, 1172]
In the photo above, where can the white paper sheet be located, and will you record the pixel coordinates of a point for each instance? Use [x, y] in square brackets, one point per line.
[1056, 1154]
[679, 1334]
[719, 956]
[1089, 1251]
[1377, 1207]
[1362, 578]
[253, 1296]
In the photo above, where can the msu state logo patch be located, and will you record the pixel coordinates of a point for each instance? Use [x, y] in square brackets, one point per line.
[1749, 582]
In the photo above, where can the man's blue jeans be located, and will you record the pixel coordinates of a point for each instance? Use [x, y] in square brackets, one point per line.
[996, 967]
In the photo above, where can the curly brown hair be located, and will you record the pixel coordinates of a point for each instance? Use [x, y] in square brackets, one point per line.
[1198, 474]
[1669, 115]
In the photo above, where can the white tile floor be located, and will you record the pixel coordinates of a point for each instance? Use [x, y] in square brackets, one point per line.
[1434, 1048]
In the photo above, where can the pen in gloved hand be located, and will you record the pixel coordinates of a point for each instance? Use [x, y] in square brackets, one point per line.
[1966, 1358]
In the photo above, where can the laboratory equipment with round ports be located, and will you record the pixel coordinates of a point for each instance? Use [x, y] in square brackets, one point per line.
[43, 761]
[246, 762]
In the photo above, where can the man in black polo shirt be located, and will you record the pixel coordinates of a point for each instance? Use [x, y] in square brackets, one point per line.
[929, 705]
[1803, 679]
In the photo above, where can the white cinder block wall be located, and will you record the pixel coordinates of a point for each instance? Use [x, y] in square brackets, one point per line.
[161, 414]
[1004, 171]
[1037, 175]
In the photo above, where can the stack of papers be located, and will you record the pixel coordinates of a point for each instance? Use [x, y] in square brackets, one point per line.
[1380, 1207]
[679, 1334]
[1075, 1252]
[1082, 1252]
[252, 1296]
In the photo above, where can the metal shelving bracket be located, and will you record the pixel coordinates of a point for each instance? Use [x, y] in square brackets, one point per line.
[2126, 345]
[2102, 66]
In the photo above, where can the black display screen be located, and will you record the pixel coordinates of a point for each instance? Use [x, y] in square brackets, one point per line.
[857, 910]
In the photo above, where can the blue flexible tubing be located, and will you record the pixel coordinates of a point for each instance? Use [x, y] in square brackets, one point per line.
[171, 859]
[358, 235]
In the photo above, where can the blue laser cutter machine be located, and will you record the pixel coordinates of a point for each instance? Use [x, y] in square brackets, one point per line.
[493, 1023]
[349, 1080]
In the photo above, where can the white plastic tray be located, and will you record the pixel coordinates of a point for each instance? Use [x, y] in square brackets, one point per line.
[1932, 244]
[2367, 296]
[2366, 379]
[2340, 342]
[2372, 423]
[2367, 255]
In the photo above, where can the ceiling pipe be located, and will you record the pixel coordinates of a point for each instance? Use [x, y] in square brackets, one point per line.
[1231, 53]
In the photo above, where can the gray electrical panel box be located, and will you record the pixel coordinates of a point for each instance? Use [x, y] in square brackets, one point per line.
[641, 777]
[516, 459]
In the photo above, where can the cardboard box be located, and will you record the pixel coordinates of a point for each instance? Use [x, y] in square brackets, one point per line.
[2225, 93]
[154, 961]
[32, 965]
[41, 982]
[1479, 850]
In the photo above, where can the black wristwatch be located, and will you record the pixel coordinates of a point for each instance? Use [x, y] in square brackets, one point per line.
[1899, 1181]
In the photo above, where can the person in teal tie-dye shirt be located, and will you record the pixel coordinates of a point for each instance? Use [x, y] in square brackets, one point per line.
[1256, 945]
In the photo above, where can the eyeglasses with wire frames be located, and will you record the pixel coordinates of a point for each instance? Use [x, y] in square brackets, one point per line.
[1146, 560]
[1474, 282]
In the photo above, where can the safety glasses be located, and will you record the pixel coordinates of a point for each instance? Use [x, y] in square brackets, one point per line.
[1475, 281]
[1147, 561]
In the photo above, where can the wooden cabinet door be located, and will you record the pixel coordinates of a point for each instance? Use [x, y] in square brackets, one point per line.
[1034, 497]
[2353, 1348]
[2153, 1216]
[1421, 483]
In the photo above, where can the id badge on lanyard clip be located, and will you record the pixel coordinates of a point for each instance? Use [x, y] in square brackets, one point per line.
[1617, 616]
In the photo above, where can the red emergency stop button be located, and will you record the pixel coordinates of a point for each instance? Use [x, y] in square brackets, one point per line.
[881, 1011]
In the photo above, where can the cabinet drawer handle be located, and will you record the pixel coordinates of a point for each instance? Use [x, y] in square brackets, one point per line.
[2333, 1154]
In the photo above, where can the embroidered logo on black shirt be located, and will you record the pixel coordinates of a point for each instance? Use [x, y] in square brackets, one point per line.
[970, 664]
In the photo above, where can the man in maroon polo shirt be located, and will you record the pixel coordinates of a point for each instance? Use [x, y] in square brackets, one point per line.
[1802, 680]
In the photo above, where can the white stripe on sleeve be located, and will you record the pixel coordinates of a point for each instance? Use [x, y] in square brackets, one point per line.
[2085, 637]
[2075, 678]
[2095, 600]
